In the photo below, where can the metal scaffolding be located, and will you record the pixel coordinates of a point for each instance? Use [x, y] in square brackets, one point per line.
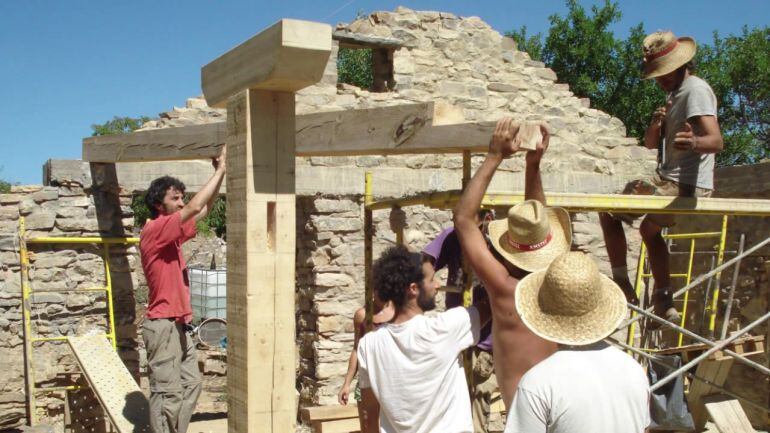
[28, 296]
[574, 202]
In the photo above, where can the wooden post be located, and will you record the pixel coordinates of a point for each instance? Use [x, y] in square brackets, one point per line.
[257, 81]
[368, 254]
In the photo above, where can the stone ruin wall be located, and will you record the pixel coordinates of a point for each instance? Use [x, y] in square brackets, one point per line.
[71, 211]
[447, 58]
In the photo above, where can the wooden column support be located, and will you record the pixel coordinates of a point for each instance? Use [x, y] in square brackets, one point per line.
[257, 80]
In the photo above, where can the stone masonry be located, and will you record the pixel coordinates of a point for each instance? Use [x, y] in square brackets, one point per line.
[442, 57]
[67, 210]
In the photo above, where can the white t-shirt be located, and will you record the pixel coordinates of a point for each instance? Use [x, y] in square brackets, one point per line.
[415, 371]
[694, 97]
[594, 389]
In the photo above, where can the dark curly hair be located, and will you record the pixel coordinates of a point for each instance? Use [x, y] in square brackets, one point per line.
[157, 191]
[394, 271]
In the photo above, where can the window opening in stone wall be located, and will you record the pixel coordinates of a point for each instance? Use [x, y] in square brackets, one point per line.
[366, 67]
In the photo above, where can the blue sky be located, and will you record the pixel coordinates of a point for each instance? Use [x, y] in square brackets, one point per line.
[65, 65]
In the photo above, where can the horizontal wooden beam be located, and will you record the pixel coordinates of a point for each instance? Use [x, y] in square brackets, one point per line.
[166, 144]
[286, 57]
[399, 129]
[357, 40]
[575, 202]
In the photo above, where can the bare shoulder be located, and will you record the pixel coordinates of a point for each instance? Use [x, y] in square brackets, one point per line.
[359, 316]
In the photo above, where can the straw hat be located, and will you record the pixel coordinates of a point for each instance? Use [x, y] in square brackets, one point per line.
[664, 53]
[532, 236]
[570, 302]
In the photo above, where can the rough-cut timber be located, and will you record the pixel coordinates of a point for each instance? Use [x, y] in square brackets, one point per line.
[399, 129]
[288, 56]
[189, 142]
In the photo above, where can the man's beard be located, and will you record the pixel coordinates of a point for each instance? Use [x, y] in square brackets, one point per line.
[424, 301]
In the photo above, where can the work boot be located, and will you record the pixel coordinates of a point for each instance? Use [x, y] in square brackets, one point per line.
[663, 306]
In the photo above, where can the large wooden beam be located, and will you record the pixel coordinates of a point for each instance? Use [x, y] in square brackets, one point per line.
[261, 228]
[275, 59]
[166, 144]
[409, 128]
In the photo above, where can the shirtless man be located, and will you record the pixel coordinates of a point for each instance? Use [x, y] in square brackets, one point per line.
[530, 238]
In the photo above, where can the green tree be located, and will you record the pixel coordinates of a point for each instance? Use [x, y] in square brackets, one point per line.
[118, 125]
[584, 52]
[596, 64]
[354, 66]
[5, 186]
[738, 69]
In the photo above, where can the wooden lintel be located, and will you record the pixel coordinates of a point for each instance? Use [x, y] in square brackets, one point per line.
[166, 144]
[399, 129]
[286, 57]
[356, 40]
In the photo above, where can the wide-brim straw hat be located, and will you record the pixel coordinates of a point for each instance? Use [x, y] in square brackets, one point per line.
[571, 302]
[665, 53]
[532, 235]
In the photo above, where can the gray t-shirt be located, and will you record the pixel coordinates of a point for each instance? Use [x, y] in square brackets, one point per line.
[693, 98]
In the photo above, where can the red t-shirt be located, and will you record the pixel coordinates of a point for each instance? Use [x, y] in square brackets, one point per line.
[164, 267]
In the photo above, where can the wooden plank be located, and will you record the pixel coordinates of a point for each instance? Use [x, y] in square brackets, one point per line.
[728, 414]
[288, 56]
[120, 396]
[405, 128]
[348, 425]
[751, 339]
[186, 142]
[327, 413]
[716, 372]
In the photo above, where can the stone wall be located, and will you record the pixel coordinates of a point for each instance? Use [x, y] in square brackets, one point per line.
[461, 61]
[68, 210]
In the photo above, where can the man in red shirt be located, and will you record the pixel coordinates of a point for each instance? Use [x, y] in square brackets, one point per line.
[175, 381]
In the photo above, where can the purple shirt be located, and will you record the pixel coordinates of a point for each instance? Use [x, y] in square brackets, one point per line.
[446, 252]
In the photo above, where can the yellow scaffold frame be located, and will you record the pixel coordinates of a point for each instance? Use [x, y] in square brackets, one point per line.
[26, 293]
[641, 275]
[576, 202]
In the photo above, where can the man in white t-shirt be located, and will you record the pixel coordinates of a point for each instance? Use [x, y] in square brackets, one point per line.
[412, 364]
[587, 385]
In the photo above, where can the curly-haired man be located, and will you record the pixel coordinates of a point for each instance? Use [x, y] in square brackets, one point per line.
[411, 365]
[175, 382]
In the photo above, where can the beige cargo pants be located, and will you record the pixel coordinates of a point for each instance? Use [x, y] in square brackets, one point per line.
[484, 384]
[175, 380]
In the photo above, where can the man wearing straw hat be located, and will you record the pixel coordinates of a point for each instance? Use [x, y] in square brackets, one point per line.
[587, 385]
[686, 133]
[527, 241]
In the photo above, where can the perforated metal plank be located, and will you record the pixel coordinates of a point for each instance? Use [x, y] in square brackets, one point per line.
[85, 413]
[125, 404]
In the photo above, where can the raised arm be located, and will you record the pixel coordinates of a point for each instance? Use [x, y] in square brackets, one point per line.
[533, 184]
[491, 272]
[200, 205]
